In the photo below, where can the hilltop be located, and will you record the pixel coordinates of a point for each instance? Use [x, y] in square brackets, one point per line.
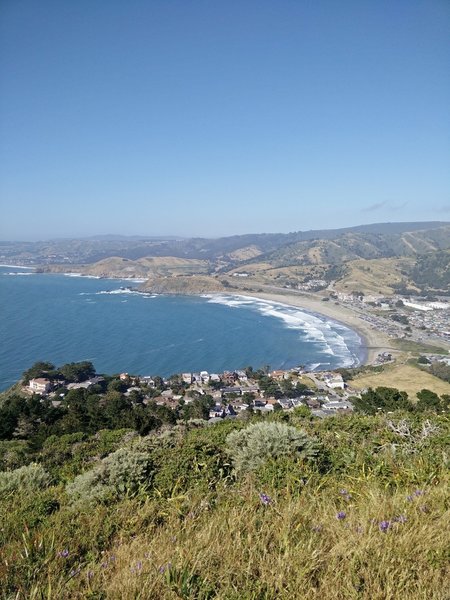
[105, 496]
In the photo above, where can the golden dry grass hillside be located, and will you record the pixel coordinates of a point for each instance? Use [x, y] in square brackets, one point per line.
[377, 276]
[405, 377]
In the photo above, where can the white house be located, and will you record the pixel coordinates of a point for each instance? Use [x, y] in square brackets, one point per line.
[40, 385]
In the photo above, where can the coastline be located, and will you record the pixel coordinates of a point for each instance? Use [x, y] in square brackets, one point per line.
[373, 341]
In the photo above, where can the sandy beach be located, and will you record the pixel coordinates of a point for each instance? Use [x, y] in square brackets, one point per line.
[374, 341]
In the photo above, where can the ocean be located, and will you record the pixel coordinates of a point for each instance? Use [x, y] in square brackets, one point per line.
[61, 318]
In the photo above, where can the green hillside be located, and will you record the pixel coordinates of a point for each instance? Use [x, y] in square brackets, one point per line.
[283, 506]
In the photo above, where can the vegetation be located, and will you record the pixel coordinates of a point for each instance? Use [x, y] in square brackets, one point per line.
[432, 272]
[367, 520]
[279, 506]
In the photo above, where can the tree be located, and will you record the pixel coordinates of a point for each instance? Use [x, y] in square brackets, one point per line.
[76, 372]
[39, 369]
[428, 401]
[382, 399]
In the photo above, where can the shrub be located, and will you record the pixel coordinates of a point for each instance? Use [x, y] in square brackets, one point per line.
[253, 446]
[29, 478]
[197, 460]
[120, 473]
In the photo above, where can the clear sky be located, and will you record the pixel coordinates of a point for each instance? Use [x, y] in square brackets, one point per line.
[207, 118]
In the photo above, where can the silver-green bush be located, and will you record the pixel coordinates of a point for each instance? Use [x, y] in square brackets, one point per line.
[28, 478]
[249, 448]
[122, 472]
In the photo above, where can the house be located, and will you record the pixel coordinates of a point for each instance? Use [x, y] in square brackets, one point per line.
[204, 375]
[334, 381]
[242, 375]
[226, 391]
[187, 378]
[229, 377]
[40, 385]
[337, 405]
[279, 375]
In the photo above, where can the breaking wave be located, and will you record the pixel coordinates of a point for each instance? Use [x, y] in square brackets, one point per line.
[119, 292]
[330, 337]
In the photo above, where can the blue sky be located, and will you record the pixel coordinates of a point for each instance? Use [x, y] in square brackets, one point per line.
[212, 118]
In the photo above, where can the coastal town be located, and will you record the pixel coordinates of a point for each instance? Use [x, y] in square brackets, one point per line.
[227, 395]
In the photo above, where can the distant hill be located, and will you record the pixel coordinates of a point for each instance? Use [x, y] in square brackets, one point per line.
[362, 241]
[352, 245]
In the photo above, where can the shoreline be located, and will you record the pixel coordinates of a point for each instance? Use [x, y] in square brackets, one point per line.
[373, 342]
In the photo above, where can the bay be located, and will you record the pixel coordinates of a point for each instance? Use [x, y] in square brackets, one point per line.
[67, 319]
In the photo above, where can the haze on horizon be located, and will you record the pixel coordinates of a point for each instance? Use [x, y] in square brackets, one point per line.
[208, 119]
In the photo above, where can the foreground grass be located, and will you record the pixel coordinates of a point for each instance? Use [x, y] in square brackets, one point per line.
[370, 524]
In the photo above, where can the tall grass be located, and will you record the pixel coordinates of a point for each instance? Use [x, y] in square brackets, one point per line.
[368, 524]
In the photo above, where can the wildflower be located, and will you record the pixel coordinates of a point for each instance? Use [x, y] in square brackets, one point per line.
[400, 519]
[419, 493]
[317, 528]
[265, 499]
[90, 574]
[112, 558]
[163, 568]
[104, 565]
[384, 526]
[64, 553]
[409, 498]
[139, 565]
[74, 572]
[341, 515]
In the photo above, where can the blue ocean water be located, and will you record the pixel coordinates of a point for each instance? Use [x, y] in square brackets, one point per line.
[63, 319]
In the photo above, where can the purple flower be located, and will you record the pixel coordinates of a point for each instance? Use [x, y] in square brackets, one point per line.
[317, 528]
[265, 499]
[341, 515]
[384, 526]
[163, 568]
[104, 565]
[419, 493]
[64, 553]
[409, 498]
[74, 572]
[400, 519]
[90, 574]
[345, 495]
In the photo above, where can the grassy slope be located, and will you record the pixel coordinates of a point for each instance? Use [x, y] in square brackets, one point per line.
[405, 377]
[143, 267]
[193, 540]
[374, 276]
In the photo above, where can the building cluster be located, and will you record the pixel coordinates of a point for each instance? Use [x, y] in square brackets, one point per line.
[232, 392]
